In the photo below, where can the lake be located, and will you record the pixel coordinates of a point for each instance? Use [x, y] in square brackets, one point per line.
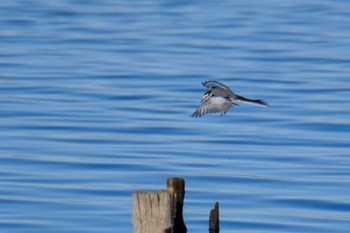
[96, 98]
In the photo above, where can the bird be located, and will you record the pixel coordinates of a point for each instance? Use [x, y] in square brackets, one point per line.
[220, 98]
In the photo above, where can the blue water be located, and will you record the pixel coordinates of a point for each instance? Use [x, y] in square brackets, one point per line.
[95, 99]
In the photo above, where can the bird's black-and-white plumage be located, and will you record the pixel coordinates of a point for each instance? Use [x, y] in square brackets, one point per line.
[220, 98]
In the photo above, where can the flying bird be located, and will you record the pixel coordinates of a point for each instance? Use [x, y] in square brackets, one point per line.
[220, 98]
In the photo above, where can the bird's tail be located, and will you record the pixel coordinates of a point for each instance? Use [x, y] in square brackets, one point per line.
[259, 102]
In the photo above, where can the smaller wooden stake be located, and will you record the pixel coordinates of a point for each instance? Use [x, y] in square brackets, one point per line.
[214, 226]
[176, 188]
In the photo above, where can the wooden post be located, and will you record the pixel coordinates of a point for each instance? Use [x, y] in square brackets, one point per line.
[176, 188]
[214, 226]
[151, 212]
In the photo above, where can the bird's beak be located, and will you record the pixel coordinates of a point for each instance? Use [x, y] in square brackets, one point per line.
[206, 96]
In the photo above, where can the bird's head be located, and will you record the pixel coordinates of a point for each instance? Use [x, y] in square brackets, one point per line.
[207, 95]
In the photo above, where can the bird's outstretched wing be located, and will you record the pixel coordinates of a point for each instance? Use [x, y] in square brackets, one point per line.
[212, 105]
[212, 84]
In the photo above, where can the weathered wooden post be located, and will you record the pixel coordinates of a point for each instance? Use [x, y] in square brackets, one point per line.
[151, 212]
[176, 188]
[214, 226]
[162, 212]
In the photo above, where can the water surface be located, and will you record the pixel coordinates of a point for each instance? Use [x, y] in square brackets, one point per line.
[95, 100]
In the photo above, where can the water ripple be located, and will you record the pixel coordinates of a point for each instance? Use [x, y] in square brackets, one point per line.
[96, 100]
